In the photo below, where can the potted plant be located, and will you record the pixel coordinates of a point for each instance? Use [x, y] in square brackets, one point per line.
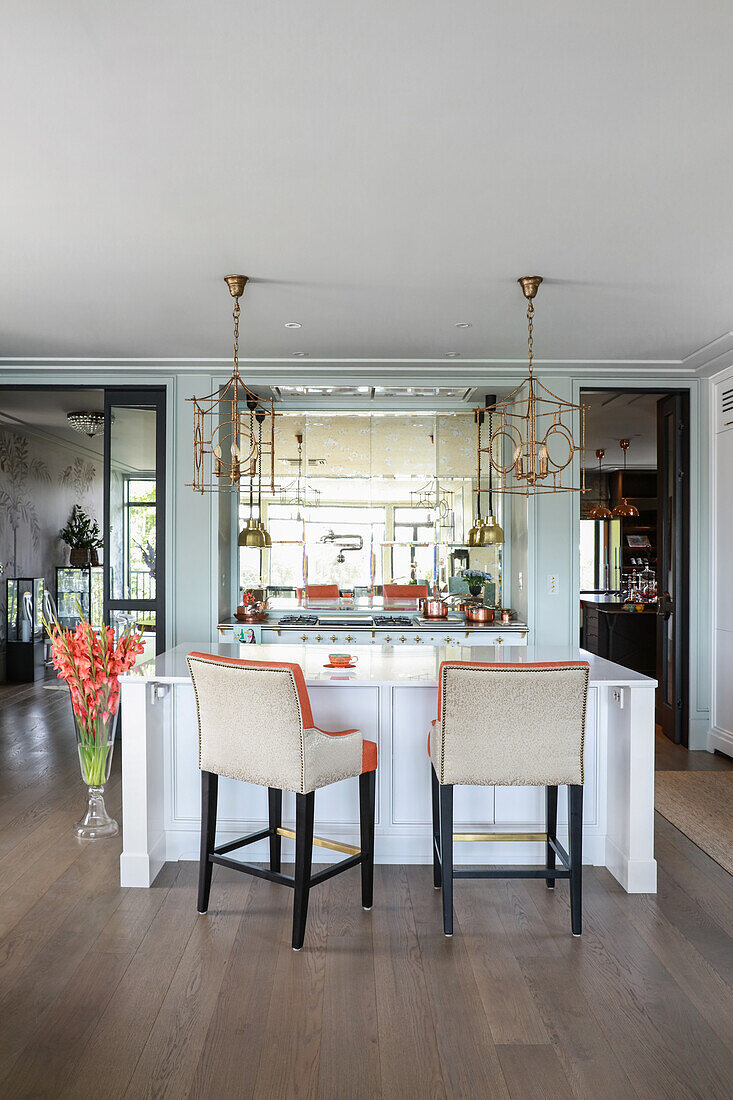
[81, 534]
[476, 579]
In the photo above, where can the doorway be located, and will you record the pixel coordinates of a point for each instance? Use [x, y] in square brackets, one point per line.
[634, 542]
[63, 447]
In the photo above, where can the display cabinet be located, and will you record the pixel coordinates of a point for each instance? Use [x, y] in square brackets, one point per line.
[24, 628]
[82, 585]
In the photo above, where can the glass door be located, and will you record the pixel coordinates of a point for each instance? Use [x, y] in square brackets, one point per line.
[134, 513]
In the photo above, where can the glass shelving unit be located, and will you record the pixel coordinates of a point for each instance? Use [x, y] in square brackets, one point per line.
[84, 585]
[24, 628]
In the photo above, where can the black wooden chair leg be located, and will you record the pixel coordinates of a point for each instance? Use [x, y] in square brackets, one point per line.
[304, 809]
[446, 854]
[551, 802]
[275, 807]
[367, 796]
[575, 800]
[435, 790]
[209, 793]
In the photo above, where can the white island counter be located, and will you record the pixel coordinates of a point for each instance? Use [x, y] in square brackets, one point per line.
[392, 698]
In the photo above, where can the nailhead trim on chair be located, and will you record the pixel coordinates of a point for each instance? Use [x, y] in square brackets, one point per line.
[227, 664]
[521, 667]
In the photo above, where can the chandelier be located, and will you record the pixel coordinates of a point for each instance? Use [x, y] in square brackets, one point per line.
[436, 499]
[88, 423]
[234, 426]
[535, 430]
[297, 491]
[599, 510]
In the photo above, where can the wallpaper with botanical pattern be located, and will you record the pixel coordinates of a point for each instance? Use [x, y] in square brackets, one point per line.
[40, 482]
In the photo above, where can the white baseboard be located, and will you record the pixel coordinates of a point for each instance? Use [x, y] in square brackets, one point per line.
[720, 739]
[636, 876]
[140, 869]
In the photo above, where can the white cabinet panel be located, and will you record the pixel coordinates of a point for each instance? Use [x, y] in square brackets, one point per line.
[413, 709]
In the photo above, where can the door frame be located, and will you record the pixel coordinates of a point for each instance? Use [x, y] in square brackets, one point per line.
[682, 655]
[150, 396]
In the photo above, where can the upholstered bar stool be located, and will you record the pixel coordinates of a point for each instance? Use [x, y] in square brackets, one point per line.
[510, 725]
[256, 725]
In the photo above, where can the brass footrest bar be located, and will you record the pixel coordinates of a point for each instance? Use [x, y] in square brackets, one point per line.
[322, 842]
[500, 836]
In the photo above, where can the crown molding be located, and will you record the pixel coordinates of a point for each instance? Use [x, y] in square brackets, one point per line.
[704, 361]
[713, 357]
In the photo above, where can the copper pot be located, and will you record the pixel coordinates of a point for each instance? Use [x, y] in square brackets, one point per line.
[435, 609]
[479, 614]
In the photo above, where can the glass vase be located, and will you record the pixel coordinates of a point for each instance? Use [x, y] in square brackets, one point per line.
[95, 726]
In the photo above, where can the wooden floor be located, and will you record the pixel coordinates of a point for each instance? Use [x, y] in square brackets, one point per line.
[107, 992]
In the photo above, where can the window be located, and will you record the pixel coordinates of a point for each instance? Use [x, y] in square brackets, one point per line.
[139, 538]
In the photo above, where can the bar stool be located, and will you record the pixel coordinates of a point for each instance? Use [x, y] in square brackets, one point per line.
[400, 593]
[256, 725]
[510, 725]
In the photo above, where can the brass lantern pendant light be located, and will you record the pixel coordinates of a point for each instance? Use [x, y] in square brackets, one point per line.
[223, 427]
[623, 509]
[599, 510]
[539, 434]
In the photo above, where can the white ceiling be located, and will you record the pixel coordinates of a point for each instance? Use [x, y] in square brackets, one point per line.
[43, 412]
[381, 170]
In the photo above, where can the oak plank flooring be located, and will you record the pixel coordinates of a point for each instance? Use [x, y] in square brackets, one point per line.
[408, 1048]
[113, 992]
[533, 1070]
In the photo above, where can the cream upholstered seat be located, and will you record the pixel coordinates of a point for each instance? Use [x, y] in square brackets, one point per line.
[504, 724]
[272, 739]
[256, 725]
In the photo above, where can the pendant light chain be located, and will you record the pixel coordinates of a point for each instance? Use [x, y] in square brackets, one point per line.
[530, 328]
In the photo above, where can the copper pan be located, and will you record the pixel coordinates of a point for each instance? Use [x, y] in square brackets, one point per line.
[435, 609]
[479, 614]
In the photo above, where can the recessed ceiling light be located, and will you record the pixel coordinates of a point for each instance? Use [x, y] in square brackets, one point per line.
[300, 354]
[462, 324]
[452, 354]
[293, 324]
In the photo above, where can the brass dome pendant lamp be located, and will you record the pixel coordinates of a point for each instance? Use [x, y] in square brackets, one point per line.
[599, 510]
[540, 433]
[491, 532]
[474, 535]
[623, 509]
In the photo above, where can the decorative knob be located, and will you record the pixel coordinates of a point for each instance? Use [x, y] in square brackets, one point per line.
[448, 641]
[319, 638]
[388, 637]
[304, 637]
[403, 638]
[333, 637]
[418, 639]
[349, 638]
[500, 641]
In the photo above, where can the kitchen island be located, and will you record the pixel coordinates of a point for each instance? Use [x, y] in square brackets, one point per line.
[392, 697]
